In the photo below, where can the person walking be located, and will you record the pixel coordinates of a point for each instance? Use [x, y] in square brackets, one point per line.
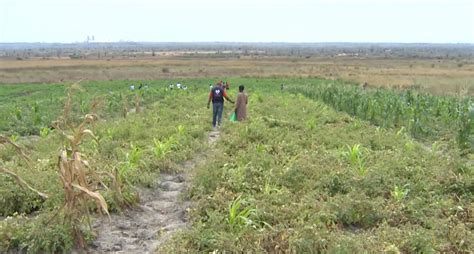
[217, 96]
[241, 104]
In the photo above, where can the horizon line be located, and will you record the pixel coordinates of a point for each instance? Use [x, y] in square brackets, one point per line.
[236, 42]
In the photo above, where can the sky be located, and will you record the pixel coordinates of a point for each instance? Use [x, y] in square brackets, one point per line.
[406, 21]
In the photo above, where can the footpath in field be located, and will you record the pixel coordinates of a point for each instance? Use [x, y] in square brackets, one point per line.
[159, 214]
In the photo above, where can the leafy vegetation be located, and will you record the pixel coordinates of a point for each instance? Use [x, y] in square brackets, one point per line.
[423, 115]
[310, 171]
[103, 157]
[317, 180]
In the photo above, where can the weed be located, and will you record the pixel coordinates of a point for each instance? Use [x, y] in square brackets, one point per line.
[21, 182]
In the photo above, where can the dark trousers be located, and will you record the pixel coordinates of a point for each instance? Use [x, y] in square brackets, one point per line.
[217, 109]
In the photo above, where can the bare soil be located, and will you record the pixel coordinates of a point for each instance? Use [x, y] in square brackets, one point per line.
[161, 212]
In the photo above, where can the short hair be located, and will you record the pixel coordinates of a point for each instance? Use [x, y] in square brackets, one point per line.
[241, 88]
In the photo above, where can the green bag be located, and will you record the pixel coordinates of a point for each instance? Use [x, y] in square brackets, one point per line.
[233, 117]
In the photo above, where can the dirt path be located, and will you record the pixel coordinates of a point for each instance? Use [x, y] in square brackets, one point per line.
[160, 213]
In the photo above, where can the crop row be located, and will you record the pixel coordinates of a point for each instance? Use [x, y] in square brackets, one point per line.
[424, 116]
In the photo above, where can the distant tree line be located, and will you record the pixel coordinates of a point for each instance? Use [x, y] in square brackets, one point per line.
[134, 49]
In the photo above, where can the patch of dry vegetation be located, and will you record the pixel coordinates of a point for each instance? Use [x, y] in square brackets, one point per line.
[438, 76]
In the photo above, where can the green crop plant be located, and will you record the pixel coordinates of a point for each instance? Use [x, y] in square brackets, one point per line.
[18, 113]
[134, 156]
[84, 106]
[303, 187]
[399, 193]
[361, 169]
[35, 108]
[410, 146]
[238, 217]
[111, 133]
[260, 148]
[124, 106]
[465, 128]
[37, 119]
[270, 188]
[355, 157]
[311, 124]
[14, 137]
[121, 173]
[424, 116]
[137, 103]
[162, 148]
[44, 132]
[402, 131]
[353, 154]
[181, 130]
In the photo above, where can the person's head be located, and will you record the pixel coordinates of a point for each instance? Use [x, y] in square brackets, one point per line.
[241, 88]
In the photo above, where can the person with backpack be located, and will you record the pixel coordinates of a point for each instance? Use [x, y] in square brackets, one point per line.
[217, 96]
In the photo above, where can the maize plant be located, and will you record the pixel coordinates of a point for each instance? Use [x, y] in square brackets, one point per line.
[181, 130]
[36, 113]
[137, 103]
[238, 217]
[124, 106]
[162, 148]
[44, 132]
[77, 177]
[18, 113]
[133, 157]
[423, 115]
[465, 128]
[399, 193]
[355, 157]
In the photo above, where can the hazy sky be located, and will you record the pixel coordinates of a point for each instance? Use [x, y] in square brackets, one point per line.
[436, 21]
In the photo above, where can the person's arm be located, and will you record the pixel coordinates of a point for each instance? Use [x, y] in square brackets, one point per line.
[209, 100]
[227, 97]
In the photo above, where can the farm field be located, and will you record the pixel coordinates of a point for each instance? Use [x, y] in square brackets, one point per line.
[323, 165]
[437, 76]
